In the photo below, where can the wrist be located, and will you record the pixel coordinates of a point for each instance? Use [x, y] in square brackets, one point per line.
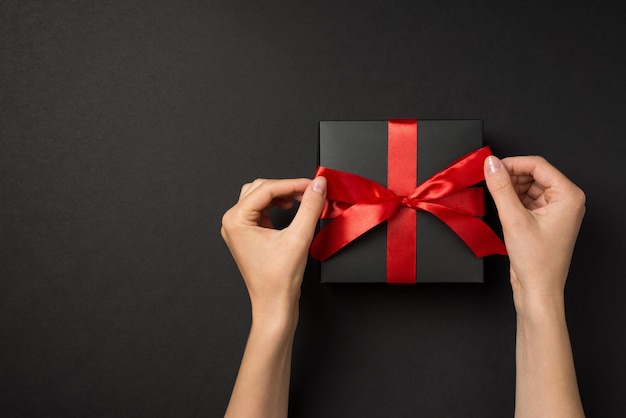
[531, 306]
[537, 295]
[275, 317]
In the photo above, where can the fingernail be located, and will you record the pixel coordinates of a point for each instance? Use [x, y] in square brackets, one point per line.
[319, 185]
[494, 164]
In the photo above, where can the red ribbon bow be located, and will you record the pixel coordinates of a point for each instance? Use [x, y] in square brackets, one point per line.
[358, 204]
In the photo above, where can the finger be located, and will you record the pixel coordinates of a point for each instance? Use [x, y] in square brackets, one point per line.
[542, 172]
[522, 183]
[535, 191]
[520, 179]
[303, 224]
[502, 190]
[298, 197]
[265, 221]
[249, 187]
[243, 190]
[260, 197]
[531, 204]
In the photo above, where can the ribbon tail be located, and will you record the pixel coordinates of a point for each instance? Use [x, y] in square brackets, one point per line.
[473, 231]
[351, 224]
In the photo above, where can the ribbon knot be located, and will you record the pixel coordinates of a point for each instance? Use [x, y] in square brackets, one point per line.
[358, 204]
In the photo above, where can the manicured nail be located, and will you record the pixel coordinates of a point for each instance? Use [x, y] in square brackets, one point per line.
[319, 185]
[494, 164]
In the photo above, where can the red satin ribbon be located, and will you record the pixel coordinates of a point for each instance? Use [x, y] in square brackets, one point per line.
[358, 204]
[402, 179]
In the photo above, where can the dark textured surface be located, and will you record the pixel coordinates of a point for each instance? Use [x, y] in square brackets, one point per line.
[127, 129]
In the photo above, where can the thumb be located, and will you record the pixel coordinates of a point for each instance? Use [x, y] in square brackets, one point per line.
[313, 198]
[501, 188]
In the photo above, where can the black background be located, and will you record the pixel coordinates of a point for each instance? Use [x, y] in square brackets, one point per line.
[127, 129]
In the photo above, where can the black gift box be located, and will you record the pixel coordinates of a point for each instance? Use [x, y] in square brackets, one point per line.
[360, 147]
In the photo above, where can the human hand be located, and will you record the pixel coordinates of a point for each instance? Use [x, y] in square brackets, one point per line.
[541, 212]
[271, 261]
[272, 264]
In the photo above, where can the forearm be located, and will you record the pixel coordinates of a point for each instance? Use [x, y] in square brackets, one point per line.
[546, 380]
[262, 385]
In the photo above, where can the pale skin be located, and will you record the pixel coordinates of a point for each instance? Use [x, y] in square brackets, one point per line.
[540, 211]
